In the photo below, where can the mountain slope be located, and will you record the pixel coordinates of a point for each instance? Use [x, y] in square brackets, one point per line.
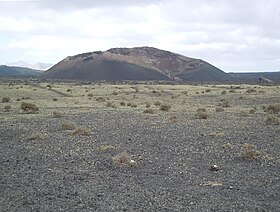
[18, 71]
[139, 63]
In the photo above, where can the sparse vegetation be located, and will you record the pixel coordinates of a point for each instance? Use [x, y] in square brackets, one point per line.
[157, 103]
[57, 114]
[251, 90]
[165, 107]
[252, 111]
[34, 136]
[110, 104]
[219, 109]
[149, 111]
[224, 103]
[201, 115]
[124, 159]
[29, 107]
[68, 126]
[106, 147]
[272, 120]
[7, 108]
[81, 131]
[273, 109]
[250, 151]
[6, 99]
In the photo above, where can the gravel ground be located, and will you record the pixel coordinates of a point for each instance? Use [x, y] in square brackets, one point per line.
[62, 172]
[227, 162]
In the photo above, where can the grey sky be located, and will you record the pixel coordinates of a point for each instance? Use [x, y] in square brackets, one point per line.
[234, 35]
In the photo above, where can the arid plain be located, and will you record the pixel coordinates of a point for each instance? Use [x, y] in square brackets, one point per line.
[139, 147]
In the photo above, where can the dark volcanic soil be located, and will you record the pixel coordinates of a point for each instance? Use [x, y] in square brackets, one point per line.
[70, 173]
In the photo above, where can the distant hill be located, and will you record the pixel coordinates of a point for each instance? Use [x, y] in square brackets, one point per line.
[254, 77]
[13, 71]
[139, 63]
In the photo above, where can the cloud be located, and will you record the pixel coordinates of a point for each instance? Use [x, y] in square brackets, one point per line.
[232, 35]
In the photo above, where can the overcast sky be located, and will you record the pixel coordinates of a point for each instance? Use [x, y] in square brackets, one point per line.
[234, 35]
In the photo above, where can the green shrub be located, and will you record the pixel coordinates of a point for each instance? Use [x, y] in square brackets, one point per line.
[29, 107]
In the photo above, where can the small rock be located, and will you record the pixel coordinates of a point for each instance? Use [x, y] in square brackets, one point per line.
[213, 168]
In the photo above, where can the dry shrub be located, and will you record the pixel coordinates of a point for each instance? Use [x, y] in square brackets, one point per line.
[6, 99]
[55, 99]
[57, 114]
[165, 107]
[251, 90]
[223, 92]
[90, 95]
[33, 136]
[157, 103]
[100, 99]
[123, 159]
[201, 110]
[208, 90]
[250, 151]
[68, 126]
[252, 111]
[173, 119]
[122, 103]
[110, 104]
[149, 111]
[81, 131]
[105, 147]
[273, 109]
[224, 103]
[271, 120]
[201, 115]
[7, 108]
[29, 107]
[148, 105]
[219, 109]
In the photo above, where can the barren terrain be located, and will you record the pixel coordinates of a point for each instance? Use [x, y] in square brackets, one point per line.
[139, 147]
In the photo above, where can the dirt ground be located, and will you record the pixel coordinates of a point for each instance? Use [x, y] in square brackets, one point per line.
[139, 147]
